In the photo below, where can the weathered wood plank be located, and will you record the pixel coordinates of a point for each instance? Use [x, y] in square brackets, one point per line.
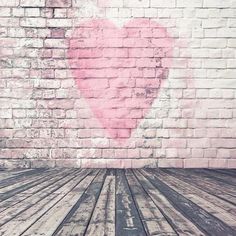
[15, 178]
[25, 181]
[181, 224]
[49, 221]
[230, 188]
[204, 220]
[47, 181]
[22, 222]
[224, 216]
[218, 177]
[103, 219]
[228, 172]
[6, 174]
[20, 172]
[220, 209]
[153, 220]
[70, 202]
[19, 208]
[189, 187]
[20, 188]
[205, 184]
[77, 220]
[128, 219]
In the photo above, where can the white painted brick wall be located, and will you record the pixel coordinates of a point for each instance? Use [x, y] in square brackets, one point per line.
[43, 115]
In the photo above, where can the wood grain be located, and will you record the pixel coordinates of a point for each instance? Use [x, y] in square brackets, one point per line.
[114, 202]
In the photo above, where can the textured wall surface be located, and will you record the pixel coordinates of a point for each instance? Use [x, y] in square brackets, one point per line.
[118, 83]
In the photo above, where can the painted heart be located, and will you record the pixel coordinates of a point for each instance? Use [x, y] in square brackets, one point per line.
[120, 70]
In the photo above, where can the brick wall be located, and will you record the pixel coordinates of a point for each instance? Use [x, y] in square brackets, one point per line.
[118, 83]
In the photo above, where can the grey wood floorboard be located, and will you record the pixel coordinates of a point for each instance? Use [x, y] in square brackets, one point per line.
[116, 202]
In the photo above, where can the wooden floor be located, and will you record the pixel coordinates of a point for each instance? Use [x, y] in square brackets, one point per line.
[117, 202]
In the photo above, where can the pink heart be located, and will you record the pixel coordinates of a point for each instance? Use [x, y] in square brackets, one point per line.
[119, 70]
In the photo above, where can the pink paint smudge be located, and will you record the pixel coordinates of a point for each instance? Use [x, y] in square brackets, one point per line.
[120, 70]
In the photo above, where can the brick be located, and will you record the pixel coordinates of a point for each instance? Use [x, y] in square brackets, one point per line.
[9, 3]
[5, 113]
[68, 163]
[197, 153]
[114, 3]
[218, 163]
[113, 163]
[32, 12]
[210, 153]
[141, 52]
[214, 23]
[231, 63]
[93, 163]
[186, 3]
[42, 164]
[232, 163]
[107, 153]
[33, 22]
[9, 22]
[198, 143]
[31, 43]
[124, 13]
[223, 153]
[171, 153]
[214, 43]
[227, 12]
[5, 12]
[214, 63]
[226, 32]
[136, 3]
[173, 143]
[112, 12]
[150, 12]
[217, 3]
[196, 163]
[55, 43]
[60, 13]
[59, 23]
[29, 3]
[223, 143]
[58, 3]
[170, 163]
[120, 153]
[110, 52]
[133, 153]
[14, 164]
[162, 3]
[174, 123]
[142, 163]
[146, 153]
[137, 12]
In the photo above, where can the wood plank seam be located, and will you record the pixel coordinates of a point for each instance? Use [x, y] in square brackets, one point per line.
[198, 211]
[38, 201]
